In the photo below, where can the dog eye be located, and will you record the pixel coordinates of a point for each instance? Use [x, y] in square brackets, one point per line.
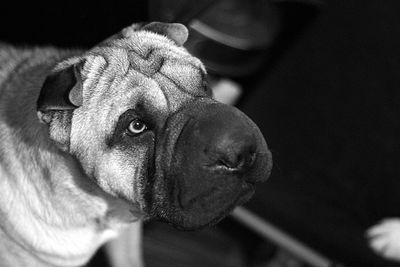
[136, 127]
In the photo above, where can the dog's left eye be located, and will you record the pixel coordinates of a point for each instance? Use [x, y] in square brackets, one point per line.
[136, 127]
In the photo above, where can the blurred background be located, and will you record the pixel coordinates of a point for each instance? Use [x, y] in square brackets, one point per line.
[322, 81]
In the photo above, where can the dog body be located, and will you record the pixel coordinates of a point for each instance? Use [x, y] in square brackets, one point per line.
[92, 141]
[47, 209]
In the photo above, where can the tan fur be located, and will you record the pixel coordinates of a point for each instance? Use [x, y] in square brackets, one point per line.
[54, 211]
[41, 201]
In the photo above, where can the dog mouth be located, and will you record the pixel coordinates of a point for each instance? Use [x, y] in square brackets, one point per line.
[189, 209]
[214, 194]
[196, 217]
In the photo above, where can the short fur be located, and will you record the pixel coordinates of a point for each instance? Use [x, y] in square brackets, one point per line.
[51, 211]
[71, 176]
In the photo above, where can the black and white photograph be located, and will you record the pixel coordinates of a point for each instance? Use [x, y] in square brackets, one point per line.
[200, 133]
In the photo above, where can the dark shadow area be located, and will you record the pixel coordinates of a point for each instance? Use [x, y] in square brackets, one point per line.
[67, 23]
[330, 112]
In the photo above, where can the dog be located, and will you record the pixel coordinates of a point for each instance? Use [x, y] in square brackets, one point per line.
[94, 141]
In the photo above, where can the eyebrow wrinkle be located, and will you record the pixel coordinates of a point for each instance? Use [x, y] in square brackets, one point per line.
[190, 63]
[100, 74]
[151, 65]
[180, 87]
[110, 83]
[133, 70]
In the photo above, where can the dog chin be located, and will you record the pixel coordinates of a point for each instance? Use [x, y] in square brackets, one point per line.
[198, 217]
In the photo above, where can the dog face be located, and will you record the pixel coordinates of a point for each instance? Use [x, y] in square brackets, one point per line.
[137, 113]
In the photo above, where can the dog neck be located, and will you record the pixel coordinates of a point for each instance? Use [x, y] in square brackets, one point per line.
[52, 211]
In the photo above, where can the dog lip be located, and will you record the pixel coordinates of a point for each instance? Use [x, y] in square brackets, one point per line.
[189, 203]
[219, 168]
[246, 193]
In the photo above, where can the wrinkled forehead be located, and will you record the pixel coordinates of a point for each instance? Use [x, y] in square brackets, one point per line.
[148, 62]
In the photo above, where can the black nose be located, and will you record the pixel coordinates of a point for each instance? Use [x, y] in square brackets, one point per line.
[222, 140]
[229, 144]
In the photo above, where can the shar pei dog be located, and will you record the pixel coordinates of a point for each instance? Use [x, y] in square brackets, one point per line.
[93, 141]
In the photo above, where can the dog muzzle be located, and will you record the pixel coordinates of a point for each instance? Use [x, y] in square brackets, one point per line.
[207, 161]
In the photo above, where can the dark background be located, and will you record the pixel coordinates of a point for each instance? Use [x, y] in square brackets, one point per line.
[329, 108]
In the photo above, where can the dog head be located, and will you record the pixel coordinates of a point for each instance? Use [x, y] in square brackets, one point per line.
[137, 113]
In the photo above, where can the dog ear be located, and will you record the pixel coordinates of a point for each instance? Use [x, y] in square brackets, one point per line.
[62, 89]
[175, 31]
[61, 93]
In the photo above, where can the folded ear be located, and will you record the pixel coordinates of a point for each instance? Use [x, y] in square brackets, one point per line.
[61, 93]
[62, 89]
[175, 31]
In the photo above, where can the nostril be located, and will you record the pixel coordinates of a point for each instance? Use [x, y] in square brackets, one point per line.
[236, 161]
[230, 164]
